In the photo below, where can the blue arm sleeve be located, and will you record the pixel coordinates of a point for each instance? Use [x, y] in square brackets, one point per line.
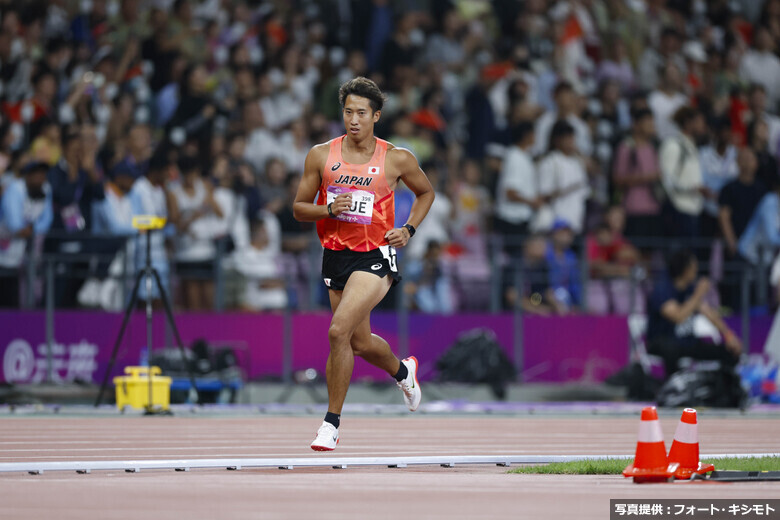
[43, 223]
[13, 209]
[768, 212]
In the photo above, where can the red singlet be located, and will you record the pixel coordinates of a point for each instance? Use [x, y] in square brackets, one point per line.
[363, 226]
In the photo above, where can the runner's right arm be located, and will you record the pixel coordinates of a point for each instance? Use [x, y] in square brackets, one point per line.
[304, 210]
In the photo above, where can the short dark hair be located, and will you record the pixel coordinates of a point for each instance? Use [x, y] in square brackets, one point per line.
[685, 115]
[188, 163]
[159, 161]
[362, 87]
[561, 128]
[562, 86]
[641, 113]
[679, 261]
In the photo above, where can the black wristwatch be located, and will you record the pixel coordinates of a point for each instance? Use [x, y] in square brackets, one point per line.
[330, 211]
[411, 230]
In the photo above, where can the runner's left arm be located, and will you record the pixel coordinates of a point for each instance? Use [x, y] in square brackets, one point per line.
[413, 176]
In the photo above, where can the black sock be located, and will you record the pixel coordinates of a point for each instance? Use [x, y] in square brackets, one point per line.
[402, 373]
[333, 418]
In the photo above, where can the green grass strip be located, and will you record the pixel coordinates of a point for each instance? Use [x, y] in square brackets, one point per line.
[616, 466]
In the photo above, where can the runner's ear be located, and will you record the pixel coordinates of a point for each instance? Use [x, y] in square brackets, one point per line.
[377, 115]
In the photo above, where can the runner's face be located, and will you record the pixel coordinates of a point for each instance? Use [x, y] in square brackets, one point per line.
[359, 119]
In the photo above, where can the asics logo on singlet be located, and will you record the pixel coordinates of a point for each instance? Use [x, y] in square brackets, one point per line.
[353, 180]
[335, 167]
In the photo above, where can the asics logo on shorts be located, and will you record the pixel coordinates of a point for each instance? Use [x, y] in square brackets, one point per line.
[376, 267]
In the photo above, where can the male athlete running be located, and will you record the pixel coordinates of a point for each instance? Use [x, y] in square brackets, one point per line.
[353, 177]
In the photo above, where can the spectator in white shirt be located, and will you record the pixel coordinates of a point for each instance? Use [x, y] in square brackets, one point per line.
[665, 100]
[757, 101]
[718, 168]
[761, 65]
[260, 264]
[681, 175]
[567, 108]
[563, 180]
[148, 198]
[653, 60]
[517, 193]
[191, 204]
[25, 211]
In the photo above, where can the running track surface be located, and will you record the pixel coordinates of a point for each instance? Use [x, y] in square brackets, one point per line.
[412, 493]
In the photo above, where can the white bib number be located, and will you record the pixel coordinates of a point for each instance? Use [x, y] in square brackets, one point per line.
[362, 207]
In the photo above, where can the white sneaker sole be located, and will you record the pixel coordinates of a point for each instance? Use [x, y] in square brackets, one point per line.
[416, 382]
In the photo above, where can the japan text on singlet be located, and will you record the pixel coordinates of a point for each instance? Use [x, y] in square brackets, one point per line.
[372, 214]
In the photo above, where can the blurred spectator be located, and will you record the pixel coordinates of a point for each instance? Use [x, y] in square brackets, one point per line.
[737, 202]
[46, 147]
[616, 66]
[273, 186]
[564, 270]
[517, 193]
[437, 224]
[196, 111]
[230, 199]
[757, 102]
[666, 100]
[38, 106]
[609, 254]
[481, 121]
[472, 207]
[656, 58]
[114, 214]
[718, 167]
[767, 167]
[25, 212]
[761, 237]
[191, 202]
[259, 263]
[430, 288]
[296, 235]
[761, 65]
[139, 150]
[538, 297]
[636, 176]
[261, 144]
[672, 306]
[147, 197]
[563, 181]
[76, 182]
[681, 176]
[566, 109]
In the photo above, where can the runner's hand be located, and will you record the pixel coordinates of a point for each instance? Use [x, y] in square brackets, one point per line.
[341, 203]
[397, 237]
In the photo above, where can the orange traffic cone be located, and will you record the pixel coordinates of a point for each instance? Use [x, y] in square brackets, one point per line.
[650, 463]
[685, 448]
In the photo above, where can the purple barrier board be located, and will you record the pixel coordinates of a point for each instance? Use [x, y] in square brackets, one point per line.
[554, 349]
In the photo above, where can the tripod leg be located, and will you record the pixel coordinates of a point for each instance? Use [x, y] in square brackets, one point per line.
[125, 320]
[169, 315]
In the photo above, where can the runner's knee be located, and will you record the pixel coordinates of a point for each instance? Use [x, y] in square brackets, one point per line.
[338, 334]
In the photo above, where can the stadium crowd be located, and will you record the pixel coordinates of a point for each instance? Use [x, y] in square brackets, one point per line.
[597, 130]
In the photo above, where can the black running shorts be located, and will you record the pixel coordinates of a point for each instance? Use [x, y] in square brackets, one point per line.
[338, 265]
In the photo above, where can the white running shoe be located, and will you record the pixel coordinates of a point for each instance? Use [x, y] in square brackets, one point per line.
[410, 386]
[327, 438]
